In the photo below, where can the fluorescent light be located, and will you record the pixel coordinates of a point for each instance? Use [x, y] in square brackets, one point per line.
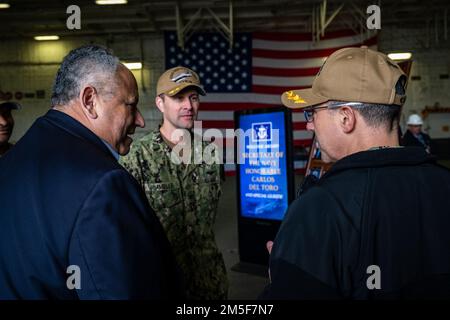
[107, 2]
[45, 38]
[400, 56]
[133, 65]
[4, 5]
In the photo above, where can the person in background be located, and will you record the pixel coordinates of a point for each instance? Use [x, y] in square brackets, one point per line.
[6, 124]
[184, 194]
[414, 136]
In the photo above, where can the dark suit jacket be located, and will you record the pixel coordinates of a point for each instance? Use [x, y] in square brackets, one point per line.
[409, 140]
[64, 200]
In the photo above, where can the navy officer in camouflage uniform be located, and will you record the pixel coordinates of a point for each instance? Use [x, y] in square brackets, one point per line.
[184, 195]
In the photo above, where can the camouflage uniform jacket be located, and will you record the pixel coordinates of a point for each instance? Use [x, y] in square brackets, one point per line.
[185, 198]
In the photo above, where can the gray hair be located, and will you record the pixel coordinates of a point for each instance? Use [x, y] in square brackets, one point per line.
[376, 115]
[90, 64]
[380, 115]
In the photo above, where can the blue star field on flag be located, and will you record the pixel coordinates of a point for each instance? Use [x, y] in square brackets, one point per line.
[220, 68]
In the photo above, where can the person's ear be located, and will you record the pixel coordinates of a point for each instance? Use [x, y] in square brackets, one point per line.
[347, 119]
[88, 97]
[159, 103]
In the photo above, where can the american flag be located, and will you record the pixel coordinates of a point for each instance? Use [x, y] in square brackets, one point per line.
[255, 72]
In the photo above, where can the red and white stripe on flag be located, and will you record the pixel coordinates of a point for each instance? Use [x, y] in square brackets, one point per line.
[280, 62]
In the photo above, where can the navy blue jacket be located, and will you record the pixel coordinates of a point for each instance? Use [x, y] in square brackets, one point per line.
[64, 201]
[375, 226]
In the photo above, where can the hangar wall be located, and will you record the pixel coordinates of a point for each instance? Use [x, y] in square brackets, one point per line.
[30, 67]
[429, 81]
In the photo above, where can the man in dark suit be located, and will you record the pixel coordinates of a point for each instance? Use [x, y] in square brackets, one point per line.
[73, 223]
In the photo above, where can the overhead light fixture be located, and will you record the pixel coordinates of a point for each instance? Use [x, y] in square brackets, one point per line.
[400, 56]
[133, 65]
[108, 2]
[4, 5]
[46, 38]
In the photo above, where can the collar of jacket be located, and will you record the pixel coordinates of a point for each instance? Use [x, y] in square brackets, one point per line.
[160, 140]
[381, 158]
[7, 148]
[74, 127]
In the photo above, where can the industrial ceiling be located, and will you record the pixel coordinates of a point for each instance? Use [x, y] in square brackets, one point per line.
[28, 18]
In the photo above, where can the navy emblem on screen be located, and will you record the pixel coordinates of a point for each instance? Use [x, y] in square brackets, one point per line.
[262, 131]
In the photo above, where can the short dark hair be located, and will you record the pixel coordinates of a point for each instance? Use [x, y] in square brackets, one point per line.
[375, 115]
[384, 115]
[378, 115]
[89, 64]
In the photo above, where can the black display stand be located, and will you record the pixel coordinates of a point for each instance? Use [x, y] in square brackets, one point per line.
[254, 233]
[316, 166]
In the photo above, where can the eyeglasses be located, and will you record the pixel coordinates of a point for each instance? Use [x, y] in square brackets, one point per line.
[309, 112]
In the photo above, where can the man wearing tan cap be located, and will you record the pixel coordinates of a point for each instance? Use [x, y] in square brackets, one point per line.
[376, 225]
[6, 124]
[184, 194]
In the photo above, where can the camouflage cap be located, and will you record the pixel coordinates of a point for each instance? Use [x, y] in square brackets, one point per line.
[176, 79]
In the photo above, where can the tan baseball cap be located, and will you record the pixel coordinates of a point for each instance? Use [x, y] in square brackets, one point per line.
[176, 79]
[351, 75]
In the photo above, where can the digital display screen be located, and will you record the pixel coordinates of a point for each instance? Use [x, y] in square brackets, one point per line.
[262, 165]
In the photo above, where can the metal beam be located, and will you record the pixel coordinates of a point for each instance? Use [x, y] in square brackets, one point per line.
[217, 19]
[331, 18]
[320, 21]
[316, 22]
[323, 16]
[445, 24]
[185, 31]
[351, 26]
[360, 17]
[193, 20]
[180, 28]
[141, 49]
[313, 24]
[226, 30]
[358, 10]
[231, 25]
[436, 31]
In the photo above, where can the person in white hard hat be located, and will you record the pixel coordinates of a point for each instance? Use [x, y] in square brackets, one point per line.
[414, 137]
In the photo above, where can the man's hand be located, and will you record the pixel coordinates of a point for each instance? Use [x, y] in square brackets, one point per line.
[269, 246]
